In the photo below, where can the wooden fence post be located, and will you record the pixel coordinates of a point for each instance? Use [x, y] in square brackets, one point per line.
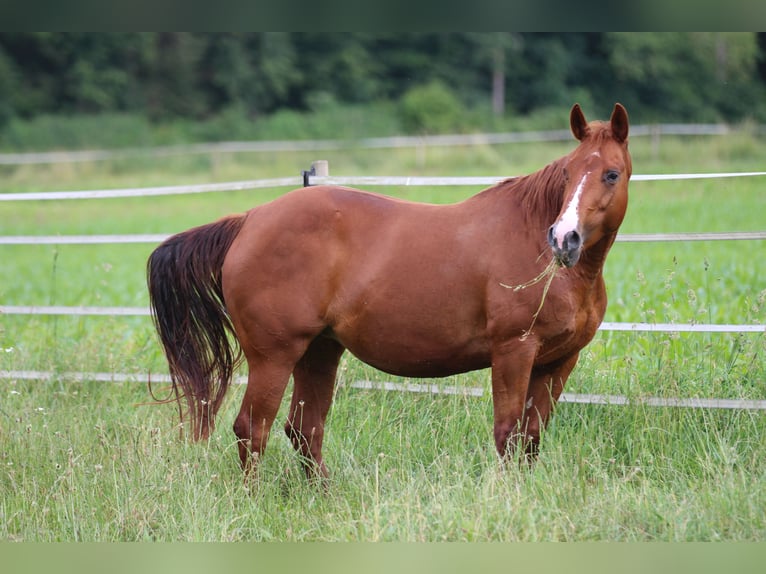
[320, 168]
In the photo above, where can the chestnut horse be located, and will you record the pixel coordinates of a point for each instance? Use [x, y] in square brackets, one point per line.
[412, 289]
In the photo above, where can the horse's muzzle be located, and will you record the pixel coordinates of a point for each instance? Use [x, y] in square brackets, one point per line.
[568, 252]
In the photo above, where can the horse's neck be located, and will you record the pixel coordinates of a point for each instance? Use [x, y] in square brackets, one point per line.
[592, 261]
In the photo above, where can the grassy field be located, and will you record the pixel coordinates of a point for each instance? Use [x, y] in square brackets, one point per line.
[92, 461]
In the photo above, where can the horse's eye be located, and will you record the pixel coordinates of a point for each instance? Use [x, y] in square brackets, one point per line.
[611, 176]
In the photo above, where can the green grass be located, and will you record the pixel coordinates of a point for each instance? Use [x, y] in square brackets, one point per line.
[91, 461]
[405, 468]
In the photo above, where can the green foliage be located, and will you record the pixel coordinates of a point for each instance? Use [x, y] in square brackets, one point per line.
[83, 131]
[171, 75]
[716, 81]
[431, 109]
[8, 80]
[329, 120]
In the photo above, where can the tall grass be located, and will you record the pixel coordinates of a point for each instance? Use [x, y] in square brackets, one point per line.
[92, 461]
[412, 468]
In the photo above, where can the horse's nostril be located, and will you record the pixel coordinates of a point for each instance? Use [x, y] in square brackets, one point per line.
[551, 236]
[572, 241]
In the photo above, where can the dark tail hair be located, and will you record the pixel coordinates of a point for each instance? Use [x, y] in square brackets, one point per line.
[183, 275]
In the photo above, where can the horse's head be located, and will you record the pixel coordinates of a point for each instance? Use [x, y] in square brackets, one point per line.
[596, 188]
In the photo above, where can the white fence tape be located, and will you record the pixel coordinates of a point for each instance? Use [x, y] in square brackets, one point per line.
[153, 191]
[406, 181]
[159, 238]
[361, 181]
[682, 327]
[418, 388]
[724, 236]
[78, 311]
[605, 326]
[81, 239]
[368, 143]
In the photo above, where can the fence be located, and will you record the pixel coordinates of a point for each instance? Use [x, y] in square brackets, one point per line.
[319, 175]
[655, 131]
[418, 388]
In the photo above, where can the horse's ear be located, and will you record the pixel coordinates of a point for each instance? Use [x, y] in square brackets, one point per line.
[578, 123]
[620, 123]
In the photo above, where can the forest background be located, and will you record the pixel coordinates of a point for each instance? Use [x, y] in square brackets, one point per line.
[78, 90]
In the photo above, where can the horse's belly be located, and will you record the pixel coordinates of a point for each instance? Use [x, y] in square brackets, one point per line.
[407, 357]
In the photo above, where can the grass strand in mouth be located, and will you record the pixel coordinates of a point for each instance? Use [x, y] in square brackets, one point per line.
[550, 273]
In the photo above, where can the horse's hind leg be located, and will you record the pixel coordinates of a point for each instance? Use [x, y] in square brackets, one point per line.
[314, 381]
[266, 383]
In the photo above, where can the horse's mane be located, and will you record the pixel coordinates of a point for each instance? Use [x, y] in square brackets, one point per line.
[540, 193]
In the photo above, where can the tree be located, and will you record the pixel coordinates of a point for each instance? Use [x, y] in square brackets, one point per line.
[688, 75]
[674, 76]
[761, 41]
[491, 51]
[172, 85]
[8, 82]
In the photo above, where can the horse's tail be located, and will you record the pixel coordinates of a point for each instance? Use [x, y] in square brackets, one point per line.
[186, 298]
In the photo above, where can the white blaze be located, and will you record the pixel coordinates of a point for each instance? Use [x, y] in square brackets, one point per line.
[571, 217]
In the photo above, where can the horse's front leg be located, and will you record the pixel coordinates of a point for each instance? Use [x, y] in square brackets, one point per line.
[545, 387]
[511, 369]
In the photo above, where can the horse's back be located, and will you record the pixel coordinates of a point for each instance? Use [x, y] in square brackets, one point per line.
[322, 222]
[313, 224]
